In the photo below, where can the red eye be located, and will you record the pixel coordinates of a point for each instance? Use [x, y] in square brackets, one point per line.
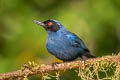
[50, 23]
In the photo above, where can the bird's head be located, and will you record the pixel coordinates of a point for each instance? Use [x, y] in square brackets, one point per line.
[50, 25]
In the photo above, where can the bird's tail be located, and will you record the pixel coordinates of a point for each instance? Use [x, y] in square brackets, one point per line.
[90, 55]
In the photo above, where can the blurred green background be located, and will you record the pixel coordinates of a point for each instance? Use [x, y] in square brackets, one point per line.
[97, 22]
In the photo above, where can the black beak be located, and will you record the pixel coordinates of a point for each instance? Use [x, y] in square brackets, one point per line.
[39, 23]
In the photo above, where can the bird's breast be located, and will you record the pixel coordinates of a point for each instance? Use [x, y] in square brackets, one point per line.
[60, 46]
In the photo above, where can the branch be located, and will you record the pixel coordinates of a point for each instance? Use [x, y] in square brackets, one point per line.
[57, 67]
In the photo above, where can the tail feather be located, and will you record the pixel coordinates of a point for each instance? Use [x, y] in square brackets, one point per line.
[90, 55]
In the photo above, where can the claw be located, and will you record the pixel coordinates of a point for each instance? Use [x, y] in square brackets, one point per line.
[55, 64]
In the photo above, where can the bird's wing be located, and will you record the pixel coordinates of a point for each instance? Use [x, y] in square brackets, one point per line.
[77, 42]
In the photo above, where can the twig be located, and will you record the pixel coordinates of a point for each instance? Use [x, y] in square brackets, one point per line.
[57, 67]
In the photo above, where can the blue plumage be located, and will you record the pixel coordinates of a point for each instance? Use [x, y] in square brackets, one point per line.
[63, 44]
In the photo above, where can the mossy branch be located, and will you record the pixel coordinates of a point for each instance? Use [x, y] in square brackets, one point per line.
[29, 71]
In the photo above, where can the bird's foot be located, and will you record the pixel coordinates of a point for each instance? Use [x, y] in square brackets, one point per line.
[55, 64]
[84, 59]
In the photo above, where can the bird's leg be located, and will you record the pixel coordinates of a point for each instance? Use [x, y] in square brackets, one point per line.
[55, 64]
[84, 58]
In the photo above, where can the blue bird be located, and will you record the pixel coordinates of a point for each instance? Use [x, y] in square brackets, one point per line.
[62, 43]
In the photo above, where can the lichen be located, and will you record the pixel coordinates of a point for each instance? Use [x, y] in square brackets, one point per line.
[99, 70]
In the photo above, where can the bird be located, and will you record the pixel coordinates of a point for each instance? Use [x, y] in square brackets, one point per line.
[62, 43]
